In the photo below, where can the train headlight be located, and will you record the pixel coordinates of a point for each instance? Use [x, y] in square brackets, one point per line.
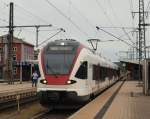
[71, 81]
[43, 81]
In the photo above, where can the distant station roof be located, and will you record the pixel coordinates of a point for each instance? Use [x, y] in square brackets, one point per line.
[130, 61]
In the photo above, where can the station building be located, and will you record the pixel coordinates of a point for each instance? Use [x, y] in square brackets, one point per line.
[23, 53]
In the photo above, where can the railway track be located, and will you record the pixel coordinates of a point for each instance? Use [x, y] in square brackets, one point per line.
[55, 114]
[64, 114]
[12, 103]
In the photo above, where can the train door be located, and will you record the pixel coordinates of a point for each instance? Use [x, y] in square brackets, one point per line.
[96, 78]
[90, 81]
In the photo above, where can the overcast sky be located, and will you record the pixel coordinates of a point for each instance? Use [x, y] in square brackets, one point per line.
[78, 17]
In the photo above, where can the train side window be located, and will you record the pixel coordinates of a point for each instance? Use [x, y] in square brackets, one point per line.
[96, 74]
[82, 71]
[102, 73]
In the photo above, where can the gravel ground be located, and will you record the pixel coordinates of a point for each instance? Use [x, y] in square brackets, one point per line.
[26, 111]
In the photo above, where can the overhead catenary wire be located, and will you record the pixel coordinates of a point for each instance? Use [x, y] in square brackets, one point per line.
[123, 28]
[81, 14]
[113, 12]
[8, 21]
[104, 12]
[132, 14]
[125, 34]
[4, 11]
[148, 5]
[5, 3]
[71, 21]
[30, 31]
[22, 27]
[118, 27]
[19, 32]
[27, 11]
[32, 14]
[118, 37]
[71, 4]
[51, 37]
[128, 35]
[98, 28]
[100, 6]
[51, 29]
[4, 20]
[47, 0]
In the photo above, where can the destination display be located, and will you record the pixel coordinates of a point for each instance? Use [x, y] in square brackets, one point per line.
[60, 48]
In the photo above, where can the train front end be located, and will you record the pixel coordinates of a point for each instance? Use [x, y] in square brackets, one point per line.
[56, 62]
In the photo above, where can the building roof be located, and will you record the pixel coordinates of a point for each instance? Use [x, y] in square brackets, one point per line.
[15, 40]
[130, 61]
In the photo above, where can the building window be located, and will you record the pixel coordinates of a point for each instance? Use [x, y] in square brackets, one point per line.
[14, 49]
[14, 70]
[1, 49]
[14, 57]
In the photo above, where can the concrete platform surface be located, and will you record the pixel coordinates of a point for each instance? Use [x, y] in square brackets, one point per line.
[6, 88]
[129, 103]
[91, 110]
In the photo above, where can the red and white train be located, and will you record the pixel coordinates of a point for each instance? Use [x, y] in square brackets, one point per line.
[71, 72]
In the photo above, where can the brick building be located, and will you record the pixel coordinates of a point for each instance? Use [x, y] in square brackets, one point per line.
[23, 52]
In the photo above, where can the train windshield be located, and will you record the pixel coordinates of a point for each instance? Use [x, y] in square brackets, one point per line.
[58, 59]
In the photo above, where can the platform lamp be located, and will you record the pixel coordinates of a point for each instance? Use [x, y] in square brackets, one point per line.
[94, 43]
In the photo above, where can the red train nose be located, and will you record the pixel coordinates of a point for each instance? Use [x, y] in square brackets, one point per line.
[59, 80]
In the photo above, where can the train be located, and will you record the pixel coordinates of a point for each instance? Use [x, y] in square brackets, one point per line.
[72, 73]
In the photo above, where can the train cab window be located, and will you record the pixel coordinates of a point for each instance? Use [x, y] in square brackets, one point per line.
[82, 71]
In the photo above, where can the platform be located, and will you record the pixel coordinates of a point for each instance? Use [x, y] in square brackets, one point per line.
[6, 88]
[9, 92]
[91, 110]
[128, 103]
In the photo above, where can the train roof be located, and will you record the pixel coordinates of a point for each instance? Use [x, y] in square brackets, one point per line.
[65, 42]
[110, 64]
[104, 62]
